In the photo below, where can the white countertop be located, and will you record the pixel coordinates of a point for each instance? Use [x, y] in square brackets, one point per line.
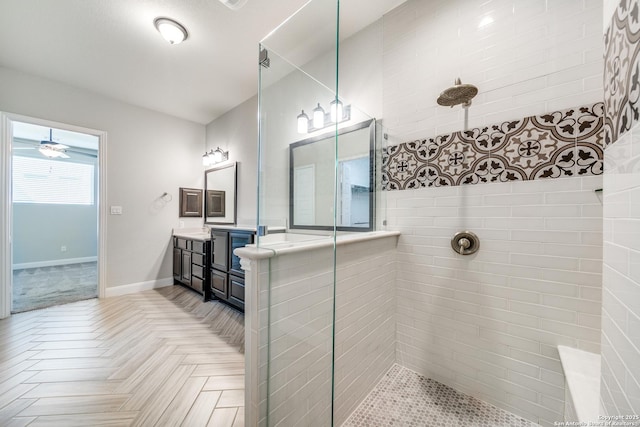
[204, 233]
[193, 233]
[285, 243]
[243, 228]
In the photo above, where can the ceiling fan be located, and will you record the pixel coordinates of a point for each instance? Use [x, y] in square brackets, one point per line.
[55, 150]
[52, 149]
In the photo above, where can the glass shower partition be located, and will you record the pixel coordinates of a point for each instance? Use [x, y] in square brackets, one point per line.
[298, 74]
[319, 177]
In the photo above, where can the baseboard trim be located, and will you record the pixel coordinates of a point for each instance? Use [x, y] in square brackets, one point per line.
[132, 288]
[54, 262]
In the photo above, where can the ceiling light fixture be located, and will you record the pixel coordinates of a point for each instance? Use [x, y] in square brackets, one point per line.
[233, 4]
[170, 30]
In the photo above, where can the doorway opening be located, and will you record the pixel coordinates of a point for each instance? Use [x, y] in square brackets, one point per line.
[55, 216]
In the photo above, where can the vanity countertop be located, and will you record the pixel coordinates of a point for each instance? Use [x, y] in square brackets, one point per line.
[205, 232]
[192, 233]
[245, 228]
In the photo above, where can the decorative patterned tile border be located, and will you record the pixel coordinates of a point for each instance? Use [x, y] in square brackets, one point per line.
[553, 145]
[622, 71]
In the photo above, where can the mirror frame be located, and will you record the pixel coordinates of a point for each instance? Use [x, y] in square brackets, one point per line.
[372, 173]
[233, 203]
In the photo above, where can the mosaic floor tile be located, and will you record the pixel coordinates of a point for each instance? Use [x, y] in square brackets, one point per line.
[404, 398]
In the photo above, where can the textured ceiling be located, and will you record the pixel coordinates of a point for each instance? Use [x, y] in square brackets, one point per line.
[111, 47]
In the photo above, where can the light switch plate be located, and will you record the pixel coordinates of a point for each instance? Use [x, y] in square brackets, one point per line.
[116, 210]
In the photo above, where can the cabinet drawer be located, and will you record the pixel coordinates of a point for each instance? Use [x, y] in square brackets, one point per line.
[182, 243]
[197, 270]
[196, 283]
[219, 284]
[197, 246]
[197, 259]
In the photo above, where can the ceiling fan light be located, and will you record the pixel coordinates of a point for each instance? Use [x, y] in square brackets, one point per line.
[171, 30]
[50, 152]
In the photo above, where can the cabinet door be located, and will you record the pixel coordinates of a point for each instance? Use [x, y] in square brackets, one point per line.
[238, 240]
[186, 267]
[177, 263]
[219, 253]
[236, 291]
[219, 284]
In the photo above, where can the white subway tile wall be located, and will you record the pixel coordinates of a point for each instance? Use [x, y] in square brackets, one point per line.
[527, 57]
[301, 330]
[488, 324]
[620, 389]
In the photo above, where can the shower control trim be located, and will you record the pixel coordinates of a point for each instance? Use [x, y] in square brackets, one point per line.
[465, 243]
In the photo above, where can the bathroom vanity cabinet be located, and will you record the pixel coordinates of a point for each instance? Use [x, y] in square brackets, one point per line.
[190, 264]
[227, 277]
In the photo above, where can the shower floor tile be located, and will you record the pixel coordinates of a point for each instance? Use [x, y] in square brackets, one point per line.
[404, 398]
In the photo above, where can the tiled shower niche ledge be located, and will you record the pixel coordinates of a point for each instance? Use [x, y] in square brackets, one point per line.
[559, 144]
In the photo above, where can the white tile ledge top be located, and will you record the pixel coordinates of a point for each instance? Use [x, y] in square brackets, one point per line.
[298, 243]
[582, 372]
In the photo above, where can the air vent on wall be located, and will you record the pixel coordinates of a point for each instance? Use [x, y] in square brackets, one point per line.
[233, 4]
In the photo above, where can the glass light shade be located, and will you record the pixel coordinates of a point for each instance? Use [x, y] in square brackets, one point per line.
[170, 30]
[318, 117]
[217, 155]
[303, 123]
[205, 159]
[336, 110]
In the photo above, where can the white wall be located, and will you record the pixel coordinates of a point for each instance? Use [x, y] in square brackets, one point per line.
[488, 324]
[40, 230]
[286, 92]
[237, 132]
[620, 372]
[620, 383]
[148, 153]
[535, 57]
[300, 287]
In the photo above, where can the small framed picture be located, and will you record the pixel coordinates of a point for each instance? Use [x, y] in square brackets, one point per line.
[190, 202]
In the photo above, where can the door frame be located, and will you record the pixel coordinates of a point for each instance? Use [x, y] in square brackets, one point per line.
[6, 258]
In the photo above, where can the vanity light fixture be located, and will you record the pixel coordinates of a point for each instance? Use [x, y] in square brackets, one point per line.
[303, 123]
[336, 109]
[321, 119]
[170, 30]
[212, 157]
[318, 117]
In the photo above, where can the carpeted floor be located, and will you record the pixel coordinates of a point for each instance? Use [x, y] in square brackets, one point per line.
[41, 287]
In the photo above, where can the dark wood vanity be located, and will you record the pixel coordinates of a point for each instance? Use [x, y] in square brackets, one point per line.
[227, 277]
[190, 264]
[208, 265]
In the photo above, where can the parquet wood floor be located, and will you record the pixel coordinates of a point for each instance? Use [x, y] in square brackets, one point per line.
[155, 358]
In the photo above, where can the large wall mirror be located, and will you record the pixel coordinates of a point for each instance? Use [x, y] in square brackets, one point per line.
[220, 195]
[311, 180]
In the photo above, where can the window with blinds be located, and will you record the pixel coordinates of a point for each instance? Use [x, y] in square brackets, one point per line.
[37, 180]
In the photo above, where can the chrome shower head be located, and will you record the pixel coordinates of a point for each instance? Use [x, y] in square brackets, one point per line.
[458, 94]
